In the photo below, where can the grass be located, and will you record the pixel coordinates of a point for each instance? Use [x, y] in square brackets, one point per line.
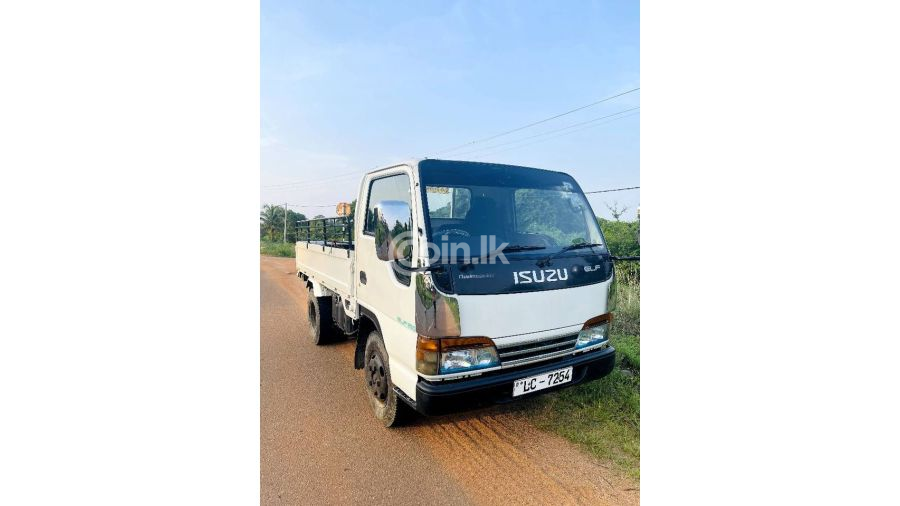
[276, 249]
[604, 416]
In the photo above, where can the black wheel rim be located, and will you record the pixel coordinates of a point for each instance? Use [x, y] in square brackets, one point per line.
[376, 377]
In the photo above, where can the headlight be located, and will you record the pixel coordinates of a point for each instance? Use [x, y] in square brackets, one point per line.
[595, 331]
[462, 360]
[454, 354]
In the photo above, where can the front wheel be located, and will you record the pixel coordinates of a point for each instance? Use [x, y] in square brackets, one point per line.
[388, 409]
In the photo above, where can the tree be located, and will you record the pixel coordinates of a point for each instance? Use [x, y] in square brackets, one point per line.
[621, 237]
[293, 218]
[271, 219]
[615, 211]
[271, 223]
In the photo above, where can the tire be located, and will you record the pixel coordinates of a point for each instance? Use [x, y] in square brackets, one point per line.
[388, 409]
[319, 315]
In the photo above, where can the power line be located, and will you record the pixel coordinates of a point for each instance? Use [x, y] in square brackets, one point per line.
[546, 133]
[293, 185]
[315, 183]
[613, 190]
[554, 137]
[476, 141]
[296, 183]
[317, 180]
[306, 183]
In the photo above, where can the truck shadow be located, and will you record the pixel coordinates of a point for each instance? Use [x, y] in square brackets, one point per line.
[505, 410]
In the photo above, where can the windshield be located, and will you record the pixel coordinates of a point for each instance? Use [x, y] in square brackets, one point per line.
[485, 207]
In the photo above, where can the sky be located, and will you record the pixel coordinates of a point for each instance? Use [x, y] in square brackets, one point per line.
[349, 86]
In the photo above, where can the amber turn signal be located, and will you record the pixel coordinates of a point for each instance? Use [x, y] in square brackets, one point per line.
[597, 320]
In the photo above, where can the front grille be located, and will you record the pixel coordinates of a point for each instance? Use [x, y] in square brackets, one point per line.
[537, 350]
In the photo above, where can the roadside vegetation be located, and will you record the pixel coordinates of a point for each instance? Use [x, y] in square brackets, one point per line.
[274, 238]
[276, 249]
[604, 416]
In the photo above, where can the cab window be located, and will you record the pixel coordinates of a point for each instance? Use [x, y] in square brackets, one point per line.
[386, 188]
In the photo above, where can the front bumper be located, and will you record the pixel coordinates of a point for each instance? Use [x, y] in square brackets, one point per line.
[441, 397]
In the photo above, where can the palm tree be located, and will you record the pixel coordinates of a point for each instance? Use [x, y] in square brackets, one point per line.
[271, 221]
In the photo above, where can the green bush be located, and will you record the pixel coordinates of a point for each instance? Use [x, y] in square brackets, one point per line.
[621, 237]
[276, 249]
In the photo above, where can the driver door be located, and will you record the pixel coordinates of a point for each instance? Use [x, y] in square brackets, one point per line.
[382, 288]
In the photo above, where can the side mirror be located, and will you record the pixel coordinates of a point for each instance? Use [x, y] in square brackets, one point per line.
[393, 222]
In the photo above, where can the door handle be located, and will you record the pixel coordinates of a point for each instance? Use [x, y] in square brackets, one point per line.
[362, 277]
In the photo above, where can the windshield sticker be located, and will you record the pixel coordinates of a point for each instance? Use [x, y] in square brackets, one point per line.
[475, 276]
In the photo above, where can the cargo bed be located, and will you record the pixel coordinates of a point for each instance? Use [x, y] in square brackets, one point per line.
[325, 253]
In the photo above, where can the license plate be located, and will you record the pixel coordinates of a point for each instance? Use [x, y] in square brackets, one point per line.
[541, 381]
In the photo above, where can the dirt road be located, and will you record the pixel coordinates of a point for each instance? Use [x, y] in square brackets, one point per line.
[319, 444]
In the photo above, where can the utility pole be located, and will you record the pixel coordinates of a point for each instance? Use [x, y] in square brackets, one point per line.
[285, 222]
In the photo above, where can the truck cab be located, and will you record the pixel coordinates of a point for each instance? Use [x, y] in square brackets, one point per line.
[464, 284]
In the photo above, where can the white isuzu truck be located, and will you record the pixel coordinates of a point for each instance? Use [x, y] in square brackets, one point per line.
[463, 283]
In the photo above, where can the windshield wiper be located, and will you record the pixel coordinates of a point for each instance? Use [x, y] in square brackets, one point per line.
[518, 247]
[546, 260]
[512, 248]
